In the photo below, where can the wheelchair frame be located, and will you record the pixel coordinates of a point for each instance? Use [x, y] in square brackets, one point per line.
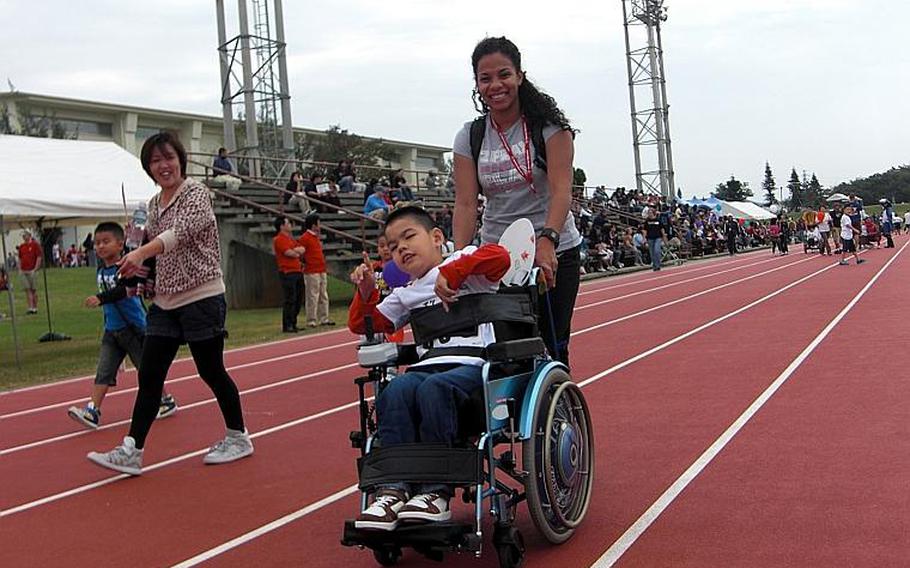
[539, 407]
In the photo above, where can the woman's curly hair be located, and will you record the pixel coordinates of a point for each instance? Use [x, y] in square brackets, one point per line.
[535, 104]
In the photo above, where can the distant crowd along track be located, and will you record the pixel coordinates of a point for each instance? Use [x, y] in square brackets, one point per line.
[714, 444]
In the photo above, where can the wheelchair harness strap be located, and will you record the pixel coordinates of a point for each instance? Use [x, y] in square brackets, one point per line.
[420, 463]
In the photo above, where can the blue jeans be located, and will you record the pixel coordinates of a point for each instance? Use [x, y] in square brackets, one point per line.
[421, 406]
[655, 250]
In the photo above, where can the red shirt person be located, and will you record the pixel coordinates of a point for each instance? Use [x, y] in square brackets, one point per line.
[315, 279]
[30, 261]
[290, 272]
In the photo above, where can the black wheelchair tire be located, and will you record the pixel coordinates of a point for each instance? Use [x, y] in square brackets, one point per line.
[560, 397]
[387, 556]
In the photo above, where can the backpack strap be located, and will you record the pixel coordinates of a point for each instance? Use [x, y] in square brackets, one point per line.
[478, 131]
[540, 145]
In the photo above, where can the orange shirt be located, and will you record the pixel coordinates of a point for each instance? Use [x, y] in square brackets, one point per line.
[29, 253]
[313, 259]
[286, 264]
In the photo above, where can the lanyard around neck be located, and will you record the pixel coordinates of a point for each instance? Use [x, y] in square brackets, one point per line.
[525, 172]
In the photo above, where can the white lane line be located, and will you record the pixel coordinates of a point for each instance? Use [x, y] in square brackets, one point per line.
[574, 333]
[267, 528]
[628, 280]
[672, 284]
[209, 554]
[647, 518]
[185, 407]
[684, 299]
[180, 360]
[121, 392]
[90, 486]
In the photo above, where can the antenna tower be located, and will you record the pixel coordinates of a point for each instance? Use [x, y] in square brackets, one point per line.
[253, 91]
[650, 124]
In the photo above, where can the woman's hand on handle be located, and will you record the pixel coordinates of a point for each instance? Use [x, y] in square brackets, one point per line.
[545, 258]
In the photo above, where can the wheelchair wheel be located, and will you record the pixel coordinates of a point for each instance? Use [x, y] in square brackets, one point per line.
[387, 556]
[559, 458]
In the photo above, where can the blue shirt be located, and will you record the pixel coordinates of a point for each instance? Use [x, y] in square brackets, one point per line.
[222, 164]
[373, 203]
[117, 315]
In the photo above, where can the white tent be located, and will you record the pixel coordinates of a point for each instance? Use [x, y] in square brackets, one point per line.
[751, 210]
[72, 180]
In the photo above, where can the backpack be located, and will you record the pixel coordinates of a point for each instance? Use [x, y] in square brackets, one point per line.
[535, 129]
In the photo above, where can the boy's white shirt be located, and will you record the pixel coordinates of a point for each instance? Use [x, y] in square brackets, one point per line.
[846, 227]
[420, 293]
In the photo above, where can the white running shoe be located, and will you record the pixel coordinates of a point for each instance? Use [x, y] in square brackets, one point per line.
[431, 507]
[382, 514]
[126, 458]
[235, 445]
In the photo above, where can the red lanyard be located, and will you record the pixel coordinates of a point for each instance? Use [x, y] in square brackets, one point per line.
[526, 173]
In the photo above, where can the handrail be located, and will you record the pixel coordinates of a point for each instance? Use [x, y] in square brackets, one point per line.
[362, 239]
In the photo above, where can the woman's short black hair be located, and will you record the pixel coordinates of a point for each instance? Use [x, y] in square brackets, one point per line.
[159, 141]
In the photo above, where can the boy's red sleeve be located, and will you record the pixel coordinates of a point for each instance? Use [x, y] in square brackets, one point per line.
[360, 308]
[490, 261]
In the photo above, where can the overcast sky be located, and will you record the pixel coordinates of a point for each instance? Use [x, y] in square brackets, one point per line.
[820, 85]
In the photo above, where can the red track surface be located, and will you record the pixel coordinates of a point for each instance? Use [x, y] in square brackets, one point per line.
[816, 477]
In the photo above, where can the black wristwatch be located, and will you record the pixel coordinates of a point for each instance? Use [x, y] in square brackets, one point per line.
[552, 234]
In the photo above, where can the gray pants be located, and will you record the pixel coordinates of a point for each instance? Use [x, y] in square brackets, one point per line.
[115, 346]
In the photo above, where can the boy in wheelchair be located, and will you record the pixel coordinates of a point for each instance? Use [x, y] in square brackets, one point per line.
[420, 406]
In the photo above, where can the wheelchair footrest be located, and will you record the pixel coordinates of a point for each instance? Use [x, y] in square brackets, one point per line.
[420, 463]
[425, 537]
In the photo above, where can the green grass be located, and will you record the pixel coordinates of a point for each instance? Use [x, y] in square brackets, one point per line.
[47, 362]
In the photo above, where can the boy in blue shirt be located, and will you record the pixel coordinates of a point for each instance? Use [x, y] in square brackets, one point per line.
[124, 326]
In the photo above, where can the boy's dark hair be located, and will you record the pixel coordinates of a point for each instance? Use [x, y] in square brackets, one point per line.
[159, 141]
[310, 220]
[418, 214]
[112, 228]
[279, 222]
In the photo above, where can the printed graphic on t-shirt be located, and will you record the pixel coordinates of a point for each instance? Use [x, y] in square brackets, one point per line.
[496, 171]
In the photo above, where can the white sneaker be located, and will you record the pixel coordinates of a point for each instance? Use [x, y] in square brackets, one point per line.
[426, 507]
[382, 514]
[234, 446]
[125, 458]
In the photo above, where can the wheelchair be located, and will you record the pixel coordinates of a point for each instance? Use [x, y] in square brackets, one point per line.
[526, 436]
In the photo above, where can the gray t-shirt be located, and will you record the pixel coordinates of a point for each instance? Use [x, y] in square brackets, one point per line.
[508, 195]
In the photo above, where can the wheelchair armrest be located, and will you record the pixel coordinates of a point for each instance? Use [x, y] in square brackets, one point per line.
[516, 349]
[386, 354]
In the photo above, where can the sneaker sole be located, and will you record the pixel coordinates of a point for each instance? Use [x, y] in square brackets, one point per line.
[375, 525]
[77, 416]
[421, 516]
[98, 459]
[207, 461]
[169, 412]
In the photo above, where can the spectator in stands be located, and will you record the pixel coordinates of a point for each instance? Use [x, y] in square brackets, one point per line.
[290, 272]
[377, 205]
[445, 221]
[31, 259]
[640, 242]
[401, 191]
[629, 250]
[432, 181]
[345, 175]
[189, 305]
[328, 193]
[450, 184]
[294, 194]
[311, 190]
[315, 278]
[221, 164]
[507, 177]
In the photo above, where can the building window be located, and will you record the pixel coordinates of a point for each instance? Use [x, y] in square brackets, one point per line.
[86, 127]
[143, 132]
[425, 163]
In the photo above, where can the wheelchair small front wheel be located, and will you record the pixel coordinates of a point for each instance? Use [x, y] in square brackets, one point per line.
[387, 556]
[559, 458]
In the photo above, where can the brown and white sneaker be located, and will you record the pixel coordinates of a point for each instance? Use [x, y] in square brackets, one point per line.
[382, 514]
[426, 507]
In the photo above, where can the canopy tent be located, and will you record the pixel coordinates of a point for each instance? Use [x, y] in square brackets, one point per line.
[751, 210]
[72, 182]
[837, 197]
[721, 208]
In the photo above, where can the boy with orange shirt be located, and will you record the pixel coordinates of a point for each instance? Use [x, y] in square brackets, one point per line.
[290, 271]
[315, 278]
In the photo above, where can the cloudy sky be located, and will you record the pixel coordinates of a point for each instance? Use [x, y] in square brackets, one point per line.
[819, 85]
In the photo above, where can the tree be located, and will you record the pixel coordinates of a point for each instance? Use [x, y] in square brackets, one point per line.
[338, 144]
[814, 192]
[28, 124]
[893, 184]
[769, 187]
[579, 177]
[732, 190]
[796, 191]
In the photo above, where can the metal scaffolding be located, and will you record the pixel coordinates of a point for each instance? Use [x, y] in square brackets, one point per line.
[650, 125]
[253, 95]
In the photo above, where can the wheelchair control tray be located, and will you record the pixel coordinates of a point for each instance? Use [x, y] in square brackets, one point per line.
[420, 463]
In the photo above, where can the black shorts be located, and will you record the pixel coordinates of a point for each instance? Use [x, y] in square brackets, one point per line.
[198, 321]
[849, 245]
